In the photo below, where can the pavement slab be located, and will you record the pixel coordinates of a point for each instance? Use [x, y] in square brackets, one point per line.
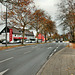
[61, 63]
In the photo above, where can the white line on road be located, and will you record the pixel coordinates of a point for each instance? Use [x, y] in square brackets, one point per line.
[20, 47]
[6, 59]
[14, 48]
[55, 50]
[49, 47]
[34, 46]
[1, 73]
[57, 47]
[51, 54]
[10, 50]
[27, 52]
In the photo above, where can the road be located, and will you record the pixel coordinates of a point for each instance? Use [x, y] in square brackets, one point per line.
[27, 60]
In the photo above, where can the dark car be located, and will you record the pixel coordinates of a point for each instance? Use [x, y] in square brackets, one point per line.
[60, 40]
[56, 41]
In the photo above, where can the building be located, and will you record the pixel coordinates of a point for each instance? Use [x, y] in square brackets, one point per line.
[14, 34]
[40, 37]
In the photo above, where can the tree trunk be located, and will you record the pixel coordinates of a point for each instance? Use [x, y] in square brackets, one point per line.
[23, 36]
[50, 34]
[41, 36]
[45, 37]
[73, 35]
[37, 35]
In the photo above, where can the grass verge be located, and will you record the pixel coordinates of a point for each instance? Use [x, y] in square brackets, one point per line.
[3, 48]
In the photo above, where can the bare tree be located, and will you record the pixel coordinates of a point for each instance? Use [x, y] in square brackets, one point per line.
[36, 23]
[67, 16]
[19, 15]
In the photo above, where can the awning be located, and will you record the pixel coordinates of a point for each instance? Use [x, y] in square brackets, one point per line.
[19, 38]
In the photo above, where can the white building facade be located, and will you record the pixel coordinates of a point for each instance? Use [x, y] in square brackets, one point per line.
[16, 34]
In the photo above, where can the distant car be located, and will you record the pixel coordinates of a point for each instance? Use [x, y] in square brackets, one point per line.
[27, 41]
[4, 42]
[60, 40]
[18, 41]
[11, 42]
[30, 41]
[33, 41]
[56, 41]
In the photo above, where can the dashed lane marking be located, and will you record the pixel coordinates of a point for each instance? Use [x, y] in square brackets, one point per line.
[27, 52]
[10, 50]
[55, 50]
[49, 47]
[34, 47]
[13, 49]
[57, 47]
[6, 59]
[51, 54]
[1, 73]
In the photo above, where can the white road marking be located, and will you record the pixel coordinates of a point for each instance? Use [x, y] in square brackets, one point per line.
[55, 50]
[6, 59]
[27, 52]
[34, 46]
[14, 48]
[1, 73]
[51, 54]
[20, 47]
[49, 47]
[10, 50]
[57, 47]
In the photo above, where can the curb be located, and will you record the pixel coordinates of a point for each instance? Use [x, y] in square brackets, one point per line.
[40, 71]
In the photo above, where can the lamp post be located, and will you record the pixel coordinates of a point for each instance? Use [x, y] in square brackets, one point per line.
[6, 23]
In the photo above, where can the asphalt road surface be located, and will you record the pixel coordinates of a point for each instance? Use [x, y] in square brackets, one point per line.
[27, 60]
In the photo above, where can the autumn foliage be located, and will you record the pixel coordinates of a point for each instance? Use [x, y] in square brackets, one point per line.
[23, 13]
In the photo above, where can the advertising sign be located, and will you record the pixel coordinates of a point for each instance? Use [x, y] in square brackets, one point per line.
[10, 35]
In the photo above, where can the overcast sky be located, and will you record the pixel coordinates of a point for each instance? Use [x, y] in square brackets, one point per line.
[49, 6]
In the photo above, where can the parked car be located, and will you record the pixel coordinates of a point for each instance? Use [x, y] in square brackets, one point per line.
[18, 41]
[4, 42]
[33, 41]
[56, 41]
[61, 41]
[27, 41]
[12, 42]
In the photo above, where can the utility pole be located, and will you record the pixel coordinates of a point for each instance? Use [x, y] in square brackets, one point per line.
[6, 24]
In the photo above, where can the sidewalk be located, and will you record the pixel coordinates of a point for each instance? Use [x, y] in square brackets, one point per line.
[61, 63]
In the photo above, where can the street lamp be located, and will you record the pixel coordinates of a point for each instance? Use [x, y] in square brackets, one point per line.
[6, 22]
[6, 25]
